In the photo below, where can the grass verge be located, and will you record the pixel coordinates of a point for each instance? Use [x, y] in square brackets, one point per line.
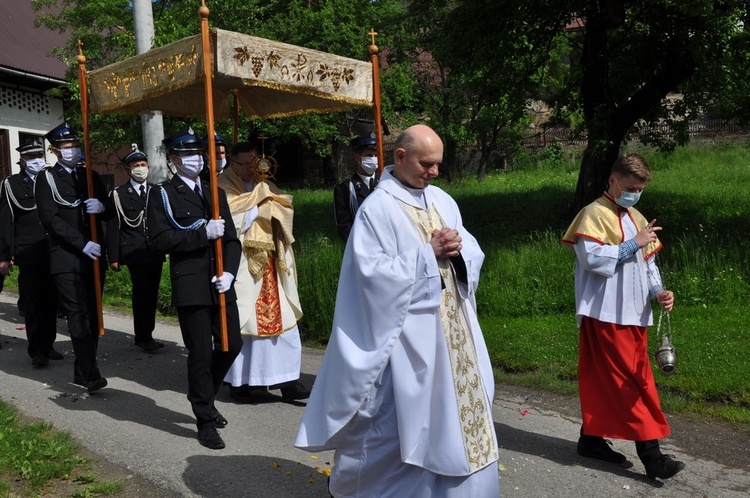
[35, 460]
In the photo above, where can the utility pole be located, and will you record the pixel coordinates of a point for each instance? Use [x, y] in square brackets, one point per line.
[151, 122]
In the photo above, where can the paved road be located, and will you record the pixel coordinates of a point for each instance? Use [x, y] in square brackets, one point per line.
[142, 421]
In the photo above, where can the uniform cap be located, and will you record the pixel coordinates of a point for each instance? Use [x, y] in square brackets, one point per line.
[218, 139]
[135, 155]
[364, 142]
[31, 146]
[183, 140]
[62, 133]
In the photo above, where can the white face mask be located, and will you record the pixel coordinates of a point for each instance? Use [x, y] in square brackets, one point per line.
[70, 157]
[627, 199]
[221, 164]
[139, 173]
[191, 165]
[370, 165]
[34, 166]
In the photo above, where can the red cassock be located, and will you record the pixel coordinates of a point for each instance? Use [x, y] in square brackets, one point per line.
[617, 389]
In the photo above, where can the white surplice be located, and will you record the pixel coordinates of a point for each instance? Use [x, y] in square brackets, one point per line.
[263, 361]
[612, 292]
[388, 315]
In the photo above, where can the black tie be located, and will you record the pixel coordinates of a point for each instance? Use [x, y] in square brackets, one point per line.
[74, 174]
[372, 184]
[143, 192]
[197, 190]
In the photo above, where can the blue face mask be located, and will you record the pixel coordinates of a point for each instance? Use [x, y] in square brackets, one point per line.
[627, 199]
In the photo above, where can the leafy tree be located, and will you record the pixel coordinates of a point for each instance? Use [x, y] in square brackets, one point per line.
[625, 58]
[633, 55]
[479, 63]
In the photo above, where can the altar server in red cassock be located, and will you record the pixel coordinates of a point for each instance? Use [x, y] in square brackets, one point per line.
[616, 279]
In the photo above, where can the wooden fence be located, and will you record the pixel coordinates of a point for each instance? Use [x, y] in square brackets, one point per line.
[703, 128]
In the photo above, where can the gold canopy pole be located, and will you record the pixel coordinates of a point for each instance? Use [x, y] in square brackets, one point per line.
[376, 100]
[208, 80]
[89, 179]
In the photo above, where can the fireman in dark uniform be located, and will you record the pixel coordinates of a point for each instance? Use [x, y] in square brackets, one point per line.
[349, 194]
[65, 210]
[179, 224]
[23, 243]
[127, 245]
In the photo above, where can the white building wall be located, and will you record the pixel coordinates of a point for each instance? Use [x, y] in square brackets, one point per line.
[27, 111]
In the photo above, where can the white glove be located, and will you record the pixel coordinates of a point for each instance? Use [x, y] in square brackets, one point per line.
[214, 229]
[250, 216]
[92, 249]
[94, 206]
[223, 283]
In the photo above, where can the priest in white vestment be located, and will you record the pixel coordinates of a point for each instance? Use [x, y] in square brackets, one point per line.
[404, 393]
[266, 284]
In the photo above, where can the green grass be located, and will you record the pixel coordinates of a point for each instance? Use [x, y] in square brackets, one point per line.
[33, 455]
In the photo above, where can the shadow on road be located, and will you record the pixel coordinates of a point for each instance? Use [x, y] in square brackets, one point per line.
[563, 452]
[253, 476]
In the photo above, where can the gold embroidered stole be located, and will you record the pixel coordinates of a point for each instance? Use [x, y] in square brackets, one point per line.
[473, 409]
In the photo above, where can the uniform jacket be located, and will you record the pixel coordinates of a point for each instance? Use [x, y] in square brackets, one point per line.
[192, 260]
[344, 209]
[22, 235]
[125, 244]
[67, 227]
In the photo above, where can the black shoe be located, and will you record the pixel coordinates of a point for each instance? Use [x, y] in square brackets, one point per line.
[150, 346]
[209, 437]
[663, 467]
[219, 419]
[598, 447]
[54, 355]
[242, 394]
[295, 392]
[97, 384]
[39, 360]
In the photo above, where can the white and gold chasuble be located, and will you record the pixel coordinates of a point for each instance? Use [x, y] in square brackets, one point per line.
[473, 410]
[399, 310]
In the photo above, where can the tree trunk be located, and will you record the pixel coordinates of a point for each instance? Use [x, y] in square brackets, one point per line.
[595, 166]
[608, 118]
[450, 155]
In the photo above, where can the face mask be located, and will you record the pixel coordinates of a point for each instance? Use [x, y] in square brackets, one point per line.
[139, 173]
[627, 199]
[34, 166]
[191, 165]
[370, 165]
[221, 164]
[70, 157]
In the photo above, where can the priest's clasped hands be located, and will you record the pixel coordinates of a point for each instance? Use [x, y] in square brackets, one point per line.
[446, 243]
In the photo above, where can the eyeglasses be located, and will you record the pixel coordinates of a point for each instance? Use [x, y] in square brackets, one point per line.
[244, 165]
